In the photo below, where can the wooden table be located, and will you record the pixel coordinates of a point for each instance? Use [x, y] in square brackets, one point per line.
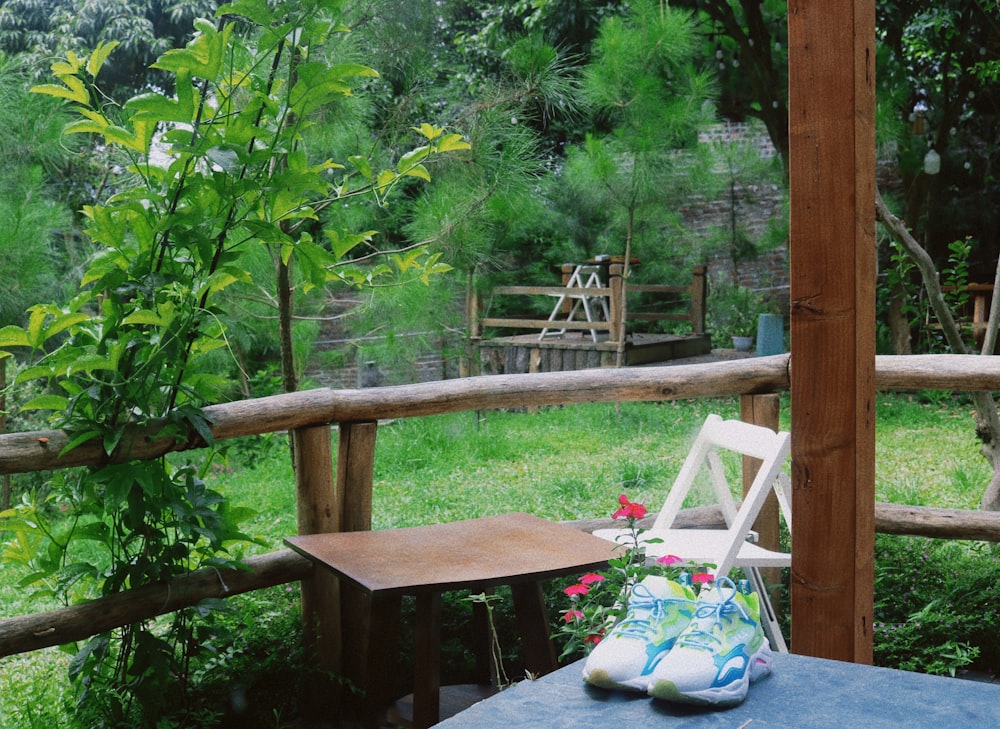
[515, 549]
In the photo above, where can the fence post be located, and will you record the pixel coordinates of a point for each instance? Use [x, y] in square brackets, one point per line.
[699, 298]
[567, 274]
[355, 475]
[319, 511]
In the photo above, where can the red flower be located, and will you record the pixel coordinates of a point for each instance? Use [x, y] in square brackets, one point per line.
[669, 559]
[593, 638]
[577, 589]
[570, 615]
[590, 578]
[629, 509]
[702, 577]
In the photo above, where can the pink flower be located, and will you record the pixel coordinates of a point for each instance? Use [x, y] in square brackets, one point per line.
[590, 578]
[702, 577]
[570, 615]
[669, 559]
[629, 509]
[577, 589]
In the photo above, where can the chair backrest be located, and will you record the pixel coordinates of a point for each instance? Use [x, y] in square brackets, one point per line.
[585, 277]
[746, 439]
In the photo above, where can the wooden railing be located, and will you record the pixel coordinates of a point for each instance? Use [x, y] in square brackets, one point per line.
[335, 495]
[617, 293]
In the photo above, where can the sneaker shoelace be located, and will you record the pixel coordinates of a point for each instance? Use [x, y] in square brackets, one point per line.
[657, 609]
[701, 632]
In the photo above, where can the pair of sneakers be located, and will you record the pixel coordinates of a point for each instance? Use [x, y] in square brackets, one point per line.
[679, 646]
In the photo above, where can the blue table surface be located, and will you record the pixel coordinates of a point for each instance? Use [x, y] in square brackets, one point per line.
[802, 692]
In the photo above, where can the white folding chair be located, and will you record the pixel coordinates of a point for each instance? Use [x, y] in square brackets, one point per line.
[734, 546]
[583, 277]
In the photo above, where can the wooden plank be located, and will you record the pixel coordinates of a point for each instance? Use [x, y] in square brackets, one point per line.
[575, 325]
[831, 124]
[556, 291]
[637, 316]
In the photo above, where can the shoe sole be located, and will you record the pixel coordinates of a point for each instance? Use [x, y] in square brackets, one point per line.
[601, 679]
[731, 694]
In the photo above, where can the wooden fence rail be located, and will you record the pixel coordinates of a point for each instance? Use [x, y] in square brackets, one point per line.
[40, 450]
[346, 503]
[617, 292]
[77, 622]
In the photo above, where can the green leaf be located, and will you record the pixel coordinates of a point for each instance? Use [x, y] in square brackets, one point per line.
[451, 143]
[385, 179]
[418, 171]
[253, 10]
[90, 362]
[158, 108]
[144, 316]
[362, 164]
[344, 244]
[79, 439]
[46, 402]
[12, 336]
[138, 140]
[85, 126]
[428, 131]
[73, 90]
[202, 57]
[99, 55]
[413, 158]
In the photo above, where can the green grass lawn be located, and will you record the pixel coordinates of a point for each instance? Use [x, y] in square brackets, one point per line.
[559, 462]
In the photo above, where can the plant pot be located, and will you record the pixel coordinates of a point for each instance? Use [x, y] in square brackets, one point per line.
[742, 344]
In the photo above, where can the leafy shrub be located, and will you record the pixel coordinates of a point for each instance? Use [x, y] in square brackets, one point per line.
[936, 608]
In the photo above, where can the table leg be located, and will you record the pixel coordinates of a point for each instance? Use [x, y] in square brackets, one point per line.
[427, 661]
[536, 645]
[380, 641]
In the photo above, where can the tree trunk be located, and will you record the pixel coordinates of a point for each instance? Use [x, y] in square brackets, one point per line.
[899, 325]
[288, 376]
[987, 419]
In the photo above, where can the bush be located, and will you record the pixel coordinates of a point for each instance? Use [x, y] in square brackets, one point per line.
[936, 608]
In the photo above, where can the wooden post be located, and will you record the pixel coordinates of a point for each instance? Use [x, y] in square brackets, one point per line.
[764, 410]
[699, 299]
[567, 274]
[319, 511]
[832, 179]
[355, 476]
[617, 310]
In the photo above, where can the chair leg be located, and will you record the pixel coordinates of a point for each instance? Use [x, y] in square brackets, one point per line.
[768, 618]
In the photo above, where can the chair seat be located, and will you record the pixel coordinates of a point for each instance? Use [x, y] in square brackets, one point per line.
[701, 546]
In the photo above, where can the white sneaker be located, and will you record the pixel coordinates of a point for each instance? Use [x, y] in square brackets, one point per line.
[658, 610]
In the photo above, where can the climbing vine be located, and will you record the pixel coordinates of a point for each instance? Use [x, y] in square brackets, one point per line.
[212, 169]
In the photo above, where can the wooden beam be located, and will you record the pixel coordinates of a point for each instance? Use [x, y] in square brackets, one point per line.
[42, 449]
[78, 622]
[832, 179]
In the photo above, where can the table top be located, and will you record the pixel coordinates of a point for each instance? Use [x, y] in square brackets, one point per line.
[801, 693]
[490, 550]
